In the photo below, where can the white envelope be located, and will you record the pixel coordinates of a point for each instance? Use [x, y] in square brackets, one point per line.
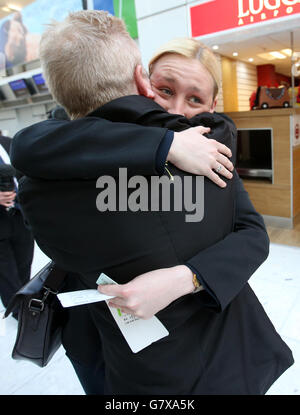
[137, 332]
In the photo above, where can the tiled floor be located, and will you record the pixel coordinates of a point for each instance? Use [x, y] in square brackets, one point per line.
[276, 283]
[24, 378]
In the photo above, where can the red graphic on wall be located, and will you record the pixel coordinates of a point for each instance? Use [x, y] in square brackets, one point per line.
[297, 131]
[219, 15]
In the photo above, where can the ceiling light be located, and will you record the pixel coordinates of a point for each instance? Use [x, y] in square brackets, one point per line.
[266, 56]
[14, 8]
[287, 52]
[215, 47]
[235, 54]
[250, 59]
[6, 9]
[278, 55]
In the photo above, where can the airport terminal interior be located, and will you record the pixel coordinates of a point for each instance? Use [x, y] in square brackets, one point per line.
[257, 45]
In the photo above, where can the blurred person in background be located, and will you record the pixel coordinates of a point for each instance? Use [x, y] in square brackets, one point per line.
[16, 241]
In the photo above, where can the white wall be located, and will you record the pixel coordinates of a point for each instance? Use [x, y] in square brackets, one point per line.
[13, 120]
[220, 102]
[160, 28]
[160, 21]
[146, 8]
[246, 84]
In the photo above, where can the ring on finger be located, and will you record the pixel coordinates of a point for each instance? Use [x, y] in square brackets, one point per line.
[219, 168]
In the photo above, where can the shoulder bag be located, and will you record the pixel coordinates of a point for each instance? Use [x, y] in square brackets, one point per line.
[40, 316]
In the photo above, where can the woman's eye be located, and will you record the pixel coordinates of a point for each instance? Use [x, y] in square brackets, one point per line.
[195, 100]
[166, 91]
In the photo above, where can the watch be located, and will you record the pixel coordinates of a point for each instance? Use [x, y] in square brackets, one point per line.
[197, 285]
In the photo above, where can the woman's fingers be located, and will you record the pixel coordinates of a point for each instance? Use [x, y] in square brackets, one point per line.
[194, 153]
[202, 130]
[7, 204]
[222, 170]
[7, 199]
[214, 177]
[120, 309]
[225, 162]
[223, 149]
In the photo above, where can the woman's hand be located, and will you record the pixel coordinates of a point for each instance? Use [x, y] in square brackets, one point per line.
[196, 154]
[7, 199]
[151, 292]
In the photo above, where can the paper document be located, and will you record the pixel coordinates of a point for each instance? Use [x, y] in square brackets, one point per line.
[137, 332]
[73, 298]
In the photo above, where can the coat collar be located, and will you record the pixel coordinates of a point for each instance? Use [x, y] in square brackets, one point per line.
[130, 109]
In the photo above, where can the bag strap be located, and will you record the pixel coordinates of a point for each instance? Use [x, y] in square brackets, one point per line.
[51, 285]
[55, 278]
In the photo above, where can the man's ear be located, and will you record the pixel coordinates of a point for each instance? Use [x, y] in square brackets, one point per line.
[142, 82]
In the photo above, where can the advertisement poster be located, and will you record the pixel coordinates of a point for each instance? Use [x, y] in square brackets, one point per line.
[125, 9]
[20, 32]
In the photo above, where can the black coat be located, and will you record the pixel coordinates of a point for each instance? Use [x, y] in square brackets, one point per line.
[236, 351]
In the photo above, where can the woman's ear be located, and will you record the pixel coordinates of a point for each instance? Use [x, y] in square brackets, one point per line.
[142, 82]
[214, 104]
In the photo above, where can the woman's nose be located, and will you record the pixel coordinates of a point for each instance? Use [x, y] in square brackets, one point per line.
[177, 108]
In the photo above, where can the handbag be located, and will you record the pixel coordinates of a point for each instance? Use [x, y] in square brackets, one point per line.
[40, 316]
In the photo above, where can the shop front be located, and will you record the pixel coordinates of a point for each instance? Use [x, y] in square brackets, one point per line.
[258, 45]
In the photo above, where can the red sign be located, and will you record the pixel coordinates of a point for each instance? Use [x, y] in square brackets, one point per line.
[297, 131]
[218, 15]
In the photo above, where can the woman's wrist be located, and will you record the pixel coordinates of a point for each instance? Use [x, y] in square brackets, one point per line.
[184, 280]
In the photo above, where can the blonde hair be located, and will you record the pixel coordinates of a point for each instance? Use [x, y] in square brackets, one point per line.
[192, 49]
[88, 60]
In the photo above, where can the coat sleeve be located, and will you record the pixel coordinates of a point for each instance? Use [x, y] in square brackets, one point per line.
[226, 267]
[52, 150]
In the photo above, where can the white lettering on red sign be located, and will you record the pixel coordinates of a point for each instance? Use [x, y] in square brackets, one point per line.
[252, 7]
[230, 14]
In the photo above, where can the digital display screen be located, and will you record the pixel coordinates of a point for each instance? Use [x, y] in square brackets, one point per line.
[40, 82]
[254, 153]
[19, 88]
[38, 79]
[17, 85]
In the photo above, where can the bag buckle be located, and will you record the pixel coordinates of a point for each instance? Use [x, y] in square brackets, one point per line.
[37, 305]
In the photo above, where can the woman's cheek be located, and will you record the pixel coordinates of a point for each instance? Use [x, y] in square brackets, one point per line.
[161, 101]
